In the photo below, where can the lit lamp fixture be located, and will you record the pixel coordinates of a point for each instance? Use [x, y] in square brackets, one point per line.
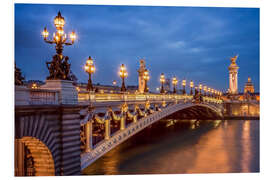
[200, 87]
[78, 88]
[174, 82]
[215, 92]
[191, 84]
[123, 74]
[205, 90]
[34, 86]
[184, 86]
[114, 82]
[146, 77]
[162, 80]
[60, 37]
[90, 69]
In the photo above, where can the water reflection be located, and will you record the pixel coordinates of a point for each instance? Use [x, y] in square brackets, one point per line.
[246, 147]
[210, 154]
[194, 124]
[191, 146]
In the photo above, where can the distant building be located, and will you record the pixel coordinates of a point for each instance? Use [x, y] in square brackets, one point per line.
[249, 88]
[248, 94]
[132, 89]
[245, 103]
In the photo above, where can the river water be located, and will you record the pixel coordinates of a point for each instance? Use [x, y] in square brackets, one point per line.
[185, 146]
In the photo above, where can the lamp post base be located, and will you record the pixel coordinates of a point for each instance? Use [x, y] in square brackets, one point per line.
[67, 91]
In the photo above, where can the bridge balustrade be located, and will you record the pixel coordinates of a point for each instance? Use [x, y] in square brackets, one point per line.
[27, 96]
[109, 97]
[40, 96]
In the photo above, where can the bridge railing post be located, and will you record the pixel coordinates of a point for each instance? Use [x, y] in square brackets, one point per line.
[107, 129]
[123, 123]
[88, 135]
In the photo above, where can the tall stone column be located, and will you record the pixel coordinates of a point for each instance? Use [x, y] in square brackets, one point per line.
[141, 79]
[233, 76]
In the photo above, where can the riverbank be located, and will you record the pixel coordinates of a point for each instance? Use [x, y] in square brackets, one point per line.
[242, 117]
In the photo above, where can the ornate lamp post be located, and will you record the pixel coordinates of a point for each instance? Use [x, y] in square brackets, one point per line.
[205, 90]
[174, 82]
[200, 87]
[209, 91]
[123, 74]
[212, 92]
[90, 69]
[196, 90]
[215, 91]
[184, 86]
[59, 67]
[191, 84]
[146, 77]
[162, 80]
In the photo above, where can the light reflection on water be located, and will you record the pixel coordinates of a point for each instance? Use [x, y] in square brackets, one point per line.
[174, 147]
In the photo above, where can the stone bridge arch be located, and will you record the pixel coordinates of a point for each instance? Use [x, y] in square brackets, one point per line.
[57, 128]
[198, 111]
[39, 156]
[34, 128]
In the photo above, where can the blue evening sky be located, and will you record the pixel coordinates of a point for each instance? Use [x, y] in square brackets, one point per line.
[186, 42]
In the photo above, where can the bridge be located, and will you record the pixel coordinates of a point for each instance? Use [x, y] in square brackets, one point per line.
[60, 129]
[55, 138]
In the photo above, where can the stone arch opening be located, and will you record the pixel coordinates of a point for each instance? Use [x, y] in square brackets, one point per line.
[197, 112]
[35, 158]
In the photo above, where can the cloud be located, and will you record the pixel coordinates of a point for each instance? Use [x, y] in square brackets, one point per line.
[195, 50]
[176, 44]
